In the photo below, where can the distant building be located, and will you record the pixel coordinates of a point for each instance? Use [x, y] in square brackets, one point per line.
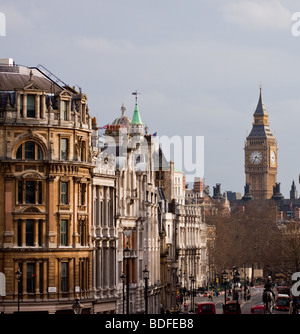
[231, 195]
[261, 155]
[179, 186]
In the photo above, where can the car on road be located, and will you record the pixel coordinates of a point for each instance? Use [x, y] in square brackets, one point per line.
[284, 290]
[205, 308]
[258, 309]
[283, 302]
[232, 307]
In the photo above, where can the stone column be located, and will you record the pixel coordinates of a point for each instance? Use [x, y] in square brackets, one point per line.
[24, 106]
[23, 232]
[43, 106]
[36, 233]
[18, 96]
[37, 106]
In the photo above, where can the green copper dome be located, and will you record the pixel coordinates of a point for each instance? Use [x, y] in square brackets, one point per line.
[136, 119]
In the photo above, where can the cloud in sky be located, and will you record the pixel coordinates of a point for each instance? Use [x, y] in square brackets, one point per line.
[257, 14]
[197, 63]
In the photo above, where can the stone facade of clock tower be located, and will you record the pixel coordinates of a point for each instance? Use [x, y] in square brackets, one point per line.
[261, 155]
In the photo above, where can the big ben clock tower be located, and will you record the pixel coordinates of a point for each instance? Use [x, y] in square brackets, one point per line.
[261, 155]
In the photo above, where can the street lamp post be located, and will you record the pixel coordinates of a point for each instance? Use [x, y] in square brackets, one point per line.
[146, 277]
[192, 292]
[19, 275]
[236, 279]
[123, 279]
[224, 278]
[126, 253]
[77, 307]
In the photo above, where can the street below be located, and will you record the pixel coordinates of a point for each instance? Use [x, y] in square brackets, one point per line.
[256, 298]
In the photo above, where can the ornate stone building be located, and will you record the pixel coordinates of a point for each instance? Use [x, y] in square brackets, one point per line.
[104, 230]
[45, 178]
[72, 207]
[191, 245]
[136, 220]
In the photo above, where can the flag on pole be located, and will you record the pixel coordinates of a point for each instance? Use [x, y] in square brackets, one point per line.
[104, 126]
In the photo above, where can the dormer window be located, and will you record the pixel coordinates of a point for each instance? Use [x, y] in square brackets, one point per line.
[30, 106]
[64, 110]
[27, 105]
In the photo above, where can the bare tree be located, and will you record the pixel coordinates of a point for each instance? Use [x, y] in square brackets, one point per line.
[249, 235]
[290, 248]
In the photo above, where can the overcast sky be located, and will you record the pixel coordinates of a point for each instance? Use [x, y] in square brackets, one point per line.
[197, 64]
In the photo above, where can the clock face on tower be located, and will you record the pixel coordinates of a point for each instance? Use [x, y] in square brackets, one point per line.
[256, 157]
[273, 158]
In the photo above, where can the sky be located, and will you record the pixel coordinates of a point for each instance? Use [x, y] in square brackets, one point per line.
[198, 65]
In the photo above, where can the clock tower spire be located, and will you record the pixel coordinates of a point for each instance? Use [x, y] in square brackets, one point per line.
[261, 154]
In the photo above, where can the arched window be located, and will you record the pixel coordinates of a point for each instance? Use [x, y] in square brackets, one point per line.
[29, 150]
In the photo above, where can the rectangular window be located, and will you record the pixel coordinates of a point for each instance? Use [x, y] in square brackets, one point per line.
[21, 105]
[83, 151]
[40, 192]
[30, 192]
[83, 190]
[64, 277]
[64, 110]
[41, 278]
[82, 233]
[20, 192]
[64, 148]
[33, 192]
[19, 232]
[30, 150]
[40, 232]
[64, 232]
[64, 193]
[31, 106]
[29, 232]
[30, 277]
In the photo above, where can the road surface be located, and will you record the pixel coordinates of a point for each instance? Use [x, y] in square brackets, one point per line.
[256, 298]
